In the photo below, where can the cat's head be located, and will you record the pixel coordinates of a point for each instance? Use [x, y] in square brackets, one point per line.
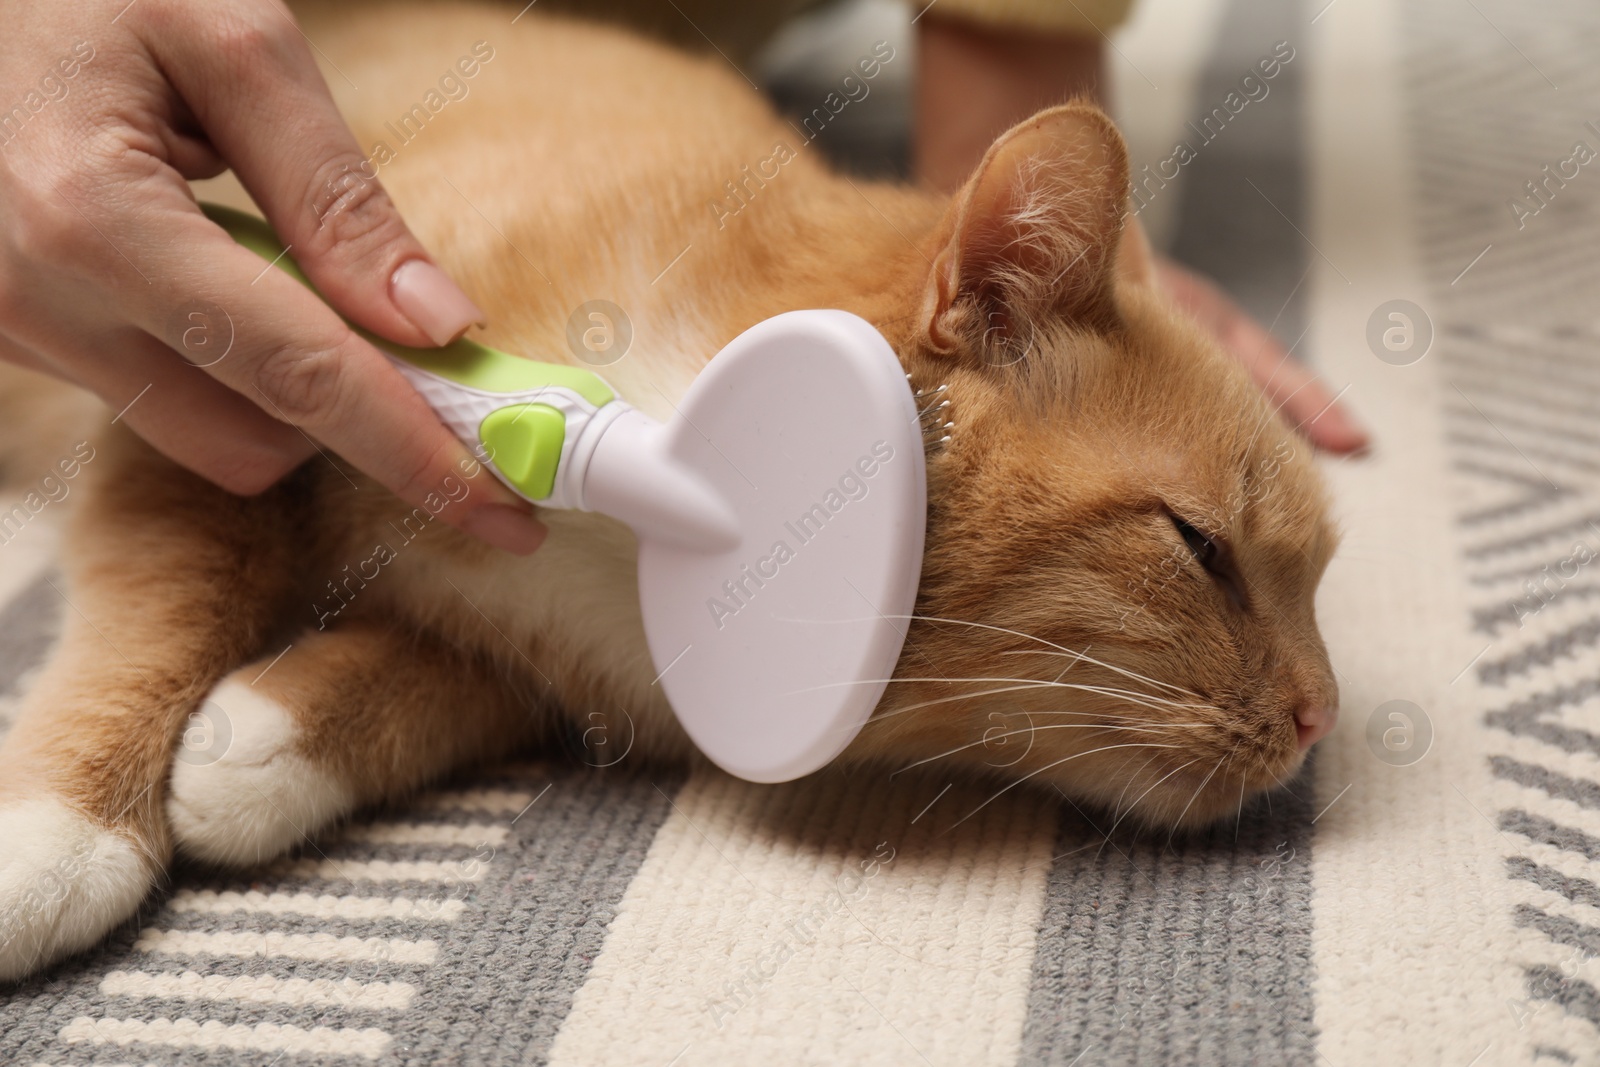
[1124, 538]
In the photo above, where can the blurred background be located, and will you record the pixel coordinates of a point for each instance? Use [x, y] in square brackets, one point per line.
[1168, 66]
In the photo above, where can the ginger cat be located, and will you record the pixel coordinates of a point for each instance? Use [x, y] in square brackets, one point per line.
[1123, 539]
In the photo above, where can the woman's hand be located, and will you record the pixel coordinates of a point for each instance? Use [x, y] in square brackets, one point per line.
[1299, 394]
[975, 82]
[110, 277]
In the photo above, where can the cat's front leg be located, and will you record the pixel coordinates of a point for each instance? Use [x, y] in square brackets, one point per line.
[347, 717]
[170, 583]
[66, 879]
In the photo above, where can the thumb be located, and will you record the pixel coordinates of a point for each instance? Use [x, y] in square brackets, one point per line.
[264, 105]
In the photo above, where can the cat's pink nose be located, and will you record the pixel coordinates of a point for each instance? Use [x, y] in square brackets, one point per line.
[1313, 722]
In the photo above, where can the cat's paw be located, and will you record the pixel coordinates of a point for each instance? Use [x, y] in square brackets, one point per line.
[64, 883]
[243, 794]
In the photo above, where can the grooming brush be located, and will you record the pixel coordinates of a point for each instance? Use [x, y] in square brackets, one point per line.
[933, 412]
[780, 513]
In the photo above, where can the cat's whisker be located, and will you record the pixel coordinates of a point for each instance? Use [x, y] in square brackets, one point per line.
[883, 681]
[1125, 722]
[1178, 822]
[1116, 808]
[1060, 648]
[1281, 783]
[1140, 698]
[1123, 718]
[1145, 700]
[1021, 683]
[1051, 766]
[1124, 671]
[959, 696]
[1274, 412]
[1116, 689]
[1146, 793]
[1282, 362]
[1238, 817]
[1030, 729]
[1107, 716]
[1131, 721]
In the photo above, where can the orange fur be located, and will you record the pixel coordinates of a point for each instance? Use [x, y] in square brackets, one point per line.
[1086, 646]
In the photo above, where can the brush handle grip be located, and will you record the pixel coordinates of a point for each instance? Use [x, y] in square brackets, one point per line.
[523, 418]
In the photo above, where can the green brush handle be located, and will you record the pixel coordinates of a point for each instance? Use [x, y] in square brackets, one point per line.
[520, 415]
[463, 362]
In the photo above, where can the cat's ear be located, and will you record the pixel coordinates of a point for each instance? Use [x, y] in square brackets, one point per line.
[1136, 260]
[1032, 234]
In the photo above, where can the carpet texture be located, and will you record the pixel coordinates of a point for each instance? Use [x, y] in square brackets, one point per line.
[1428, 891]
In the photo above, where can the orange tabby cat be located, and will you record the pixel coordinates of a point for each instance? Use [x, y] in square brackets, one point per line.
[1123, 539]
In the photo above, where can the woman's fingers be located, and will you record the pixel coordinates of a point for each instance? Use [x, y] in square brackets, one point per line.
[193, 420]
[102, 239]
[280, 347]
[22, 356]
[1303, 399]
[254, 87]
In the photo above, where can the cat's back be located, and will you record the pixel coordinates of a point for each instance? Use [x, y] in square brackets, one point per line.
[585, 106]
[548, 162]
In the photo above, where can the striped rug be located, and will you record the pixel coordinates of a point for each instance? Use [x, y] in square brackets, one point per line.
[1427, 892]
[1510, 249]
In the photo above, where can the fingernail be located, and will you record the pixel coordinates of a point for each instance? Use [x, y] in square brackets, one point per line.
[1355, 437]
[506, 528]
[434, 304]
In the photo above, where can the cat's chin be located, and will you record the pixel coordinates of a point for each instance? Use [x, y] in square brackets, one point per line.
[1181, 804]
[1190, 813]
[64, 883]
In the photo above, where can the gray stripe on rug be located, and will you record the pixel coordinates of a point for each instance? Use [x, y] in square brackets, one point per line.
[1548, 832]
[1559, 531]
[1507, 245]
[1525, 717]
[1580, 890]
[1560, 929]
[28, 627]
[1570, 643]
[1580, 791]
[1509, 612]
[1573, 994]
[544, 917]
[504, 970]
[1201, 953]
[1197, 952]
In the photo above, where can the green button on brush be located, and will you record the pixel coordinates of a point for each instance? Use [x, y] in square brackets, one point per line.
[524, 440]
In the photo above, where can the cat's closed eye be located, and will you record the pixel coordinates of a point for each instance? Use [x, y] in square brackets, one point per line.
[1215, 558]
[1204, 549]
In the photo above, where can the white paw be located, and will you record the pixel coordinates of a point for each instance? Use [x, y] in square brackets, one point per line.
[240, 793]
[64, 883]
